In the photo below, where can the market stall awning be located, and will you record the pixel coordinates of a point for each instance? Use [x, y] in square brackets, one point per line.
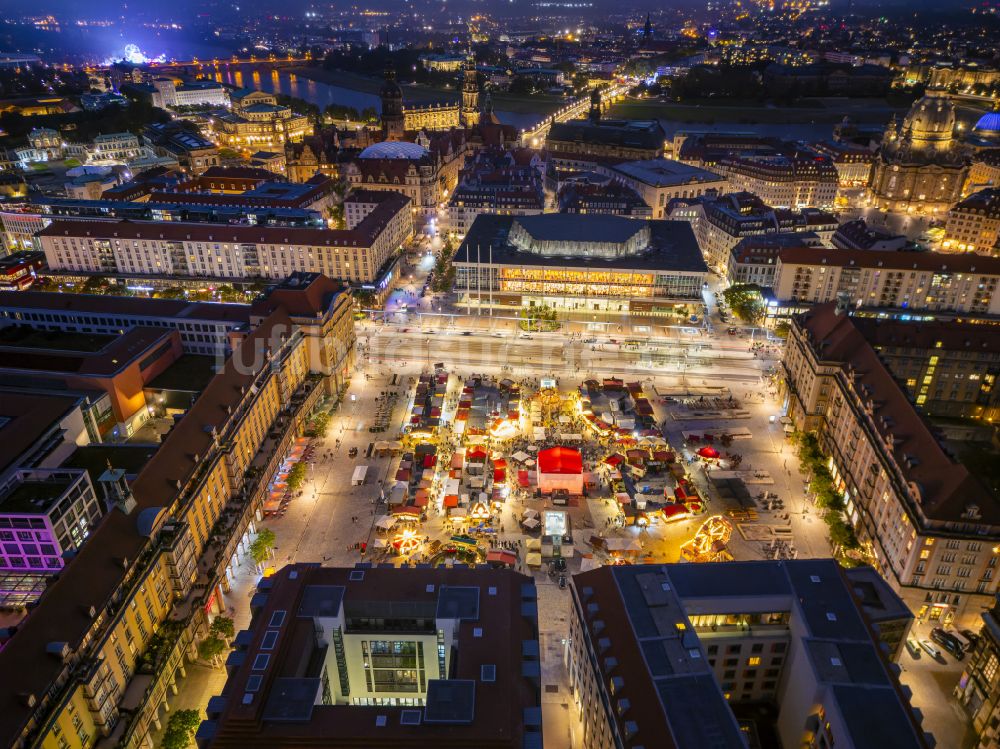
[614, 460]
[501, 556]
[451, 500]
[708, 452]
[534, 559]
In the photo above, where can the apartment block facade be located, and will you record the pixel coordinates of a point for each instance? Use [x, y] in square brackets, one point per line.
[924, 520]
[973, 224]
[152, 249]
[157, 561]
[933, 281]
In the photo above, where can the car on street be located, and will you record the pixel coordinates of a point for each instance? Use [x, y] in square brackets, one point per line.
[948, 642]
[913, 645]
[972, 637]
[928, 646]
[352, 453]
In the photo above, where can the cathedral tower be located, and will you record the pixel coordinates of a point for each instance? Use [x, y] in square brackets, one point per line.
[393, 120]
[470, 94]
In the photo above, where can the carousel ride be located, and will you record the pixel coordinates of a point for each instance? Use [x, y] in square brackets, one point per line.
[709, 543]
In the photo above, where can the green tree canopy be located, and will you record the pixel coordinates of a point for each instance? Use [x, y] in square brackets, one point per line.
[261, 547]
[180, 729]
[746, 302]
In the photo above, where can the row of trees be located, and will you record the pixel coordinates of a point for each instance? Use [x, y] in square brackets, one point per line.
[133, 118]
[538, 318]
[828, 499]
[444, 269]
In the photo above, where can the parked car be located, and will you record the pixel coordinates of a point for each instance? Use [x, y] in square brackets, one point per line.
[948, 642]
[352, 453]
[928, 646]
[972, 637]
[913, 646]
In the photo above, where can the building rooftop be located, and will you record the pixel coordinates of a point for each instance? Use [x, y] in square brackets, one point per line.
[361, 236]
[101, 358]
[647, 134]
[637, 617]
[672, 245]
[25, 421]
[32, 496]
[126, 306]
[491, 698]
[665, 172]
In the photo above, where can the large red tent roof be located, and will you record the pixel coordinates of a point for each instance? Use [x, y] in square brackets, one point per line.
[563, 460]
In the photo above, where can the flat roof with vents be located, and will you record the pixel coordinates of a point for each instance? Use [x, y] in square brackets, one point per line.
[450, 701]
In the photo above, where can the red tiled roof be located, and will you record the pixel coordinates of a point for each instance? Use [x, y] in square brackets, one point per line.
[946, 486]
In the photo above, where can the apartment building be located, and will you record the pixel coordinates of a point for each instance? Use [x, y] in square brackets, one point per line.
[720, 222]
[380, 656]
[611, 199]
[496, 181]
[754, 260]
[320, 307]
[852, 162]
[978, 689]
[657, 654]
[222, 252]
[858, 235]
[948, 367]
[973, 224]
[797, 179]
[925, 521]
[933, 281]
[186, 518]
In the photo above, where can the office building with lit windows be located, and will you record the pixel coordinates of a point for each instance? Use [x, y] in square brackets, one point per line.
[380, 656]
[669, 655]
[580, 262]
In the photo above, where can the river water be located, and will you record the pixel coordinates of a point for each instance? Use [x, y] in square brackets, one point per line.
[323, 94]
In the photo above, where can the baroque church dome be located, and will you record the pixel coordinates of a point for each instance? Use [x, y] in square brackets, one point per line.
[930, 123]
